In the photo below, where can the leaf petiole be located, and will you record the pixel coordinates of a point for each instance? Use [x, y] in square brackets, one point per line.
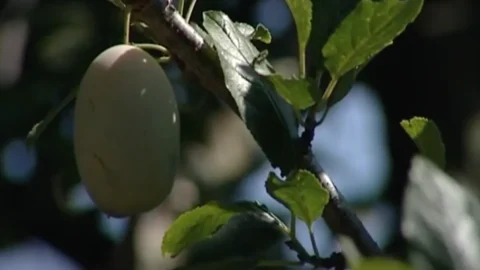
[314, 242]
[330, 87]
[302, 63]
[191, 7]
[181, 6]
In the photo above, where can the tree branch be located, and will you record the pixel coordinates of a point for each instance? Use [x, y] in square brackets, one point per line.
[338, 216]
[167, 27]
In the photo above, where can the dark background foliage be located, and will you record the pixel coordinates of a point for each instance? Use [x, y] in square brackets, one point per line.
[45, 46]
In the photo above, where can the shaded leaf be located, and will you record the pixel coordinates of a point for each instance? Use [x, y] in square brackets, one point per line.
[441, 219]
[295, 91]
[268, 117]
[426, 135]
[369, 28]
[301, 193]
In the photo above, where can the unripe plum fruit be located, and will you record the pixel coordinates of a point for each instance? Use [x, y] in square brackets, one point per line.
[126, 132]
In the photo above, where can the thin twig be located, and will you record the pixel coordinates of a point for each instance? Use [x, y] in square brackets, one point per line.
[150, 46]
[41, 126]
[126, 26]
[340, 219]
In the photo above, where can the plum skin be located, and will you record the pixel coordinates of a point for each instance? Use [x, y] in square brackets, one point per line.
[126, 132]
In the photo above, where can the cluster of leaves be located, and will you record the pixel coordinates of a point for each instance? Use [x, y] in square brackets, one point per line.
[261, 93]
[273, 106]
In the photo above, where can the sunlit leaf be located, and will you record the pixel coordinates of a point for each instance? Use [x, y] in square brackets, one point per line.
[426, 135]
[193, 226]
[301, 193]
[369, 28]
[260, 32]
[441, 218]
[302, 15]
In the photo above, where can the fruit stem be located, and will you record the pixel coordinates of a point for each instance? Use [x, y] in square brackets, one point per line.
[152, 46]
[126, 25]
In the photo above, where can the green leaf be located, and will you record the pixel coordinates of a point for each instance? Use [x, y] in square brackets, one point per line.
[381, 264]
[193, 226]
[327, 15]
[434, 205]
[368, 29]
[270, 119]
[248, 234]
[302, 15]
[426, 135]
[301, 193]
[295, 91]
[260, 32]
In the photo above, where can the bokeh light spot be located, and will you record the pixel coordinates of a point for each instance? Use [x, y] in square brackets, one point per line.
[278, 24]
[18, 161]
[35, 254]
[114, 228]
[66, 125]
[78, 200]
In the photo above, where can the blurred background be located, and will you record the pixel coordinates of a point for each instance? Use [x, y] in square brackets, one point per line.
[47, 220]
